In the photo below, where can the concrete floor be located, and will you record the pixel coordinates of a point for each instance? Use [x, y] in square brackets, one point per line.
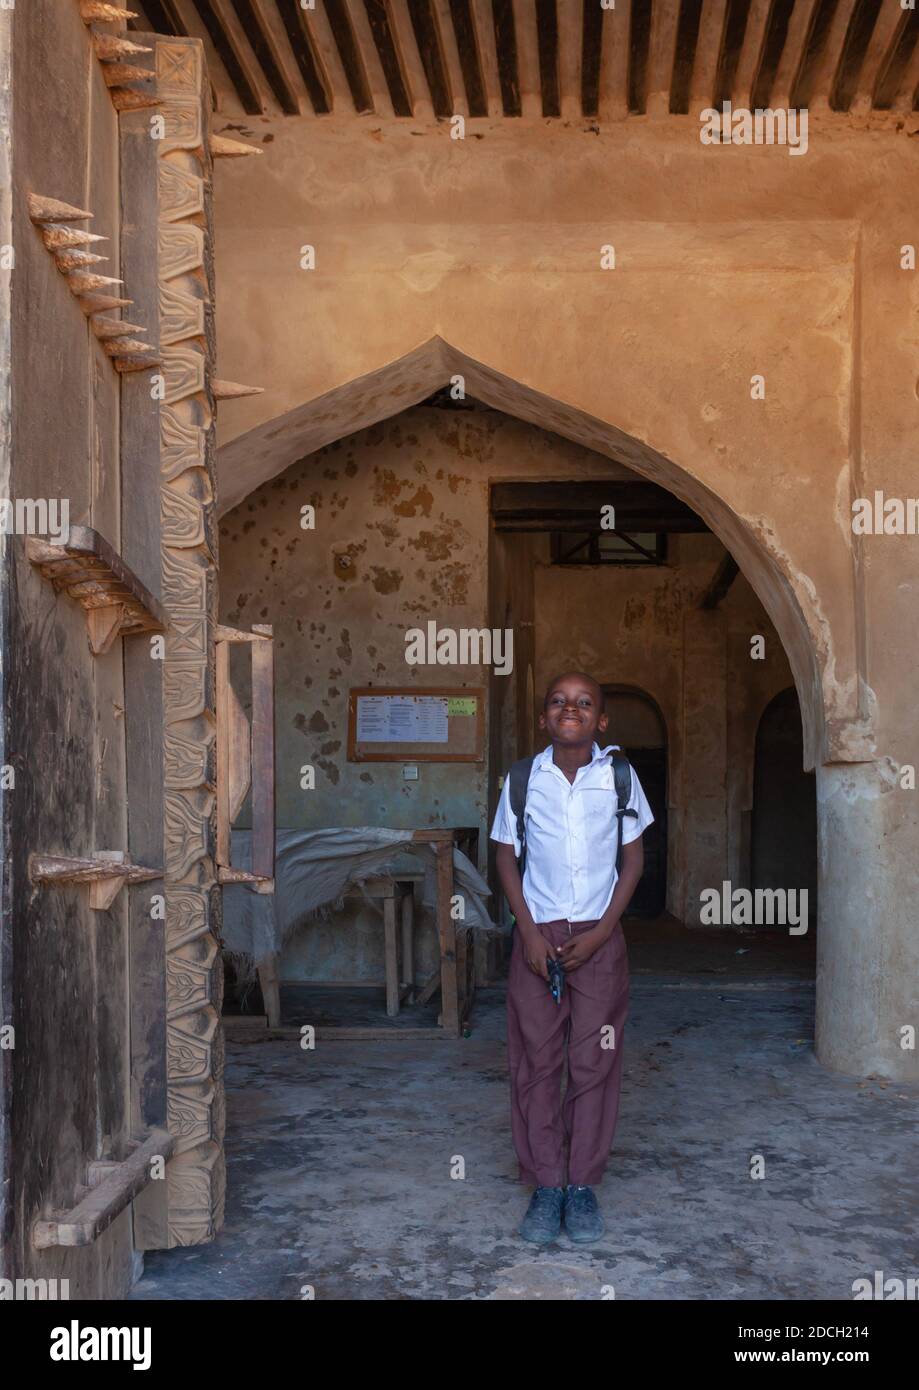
[339, 1160]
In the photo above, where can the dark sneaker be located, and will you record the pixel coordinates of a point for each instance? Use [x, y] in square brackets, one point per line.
[583, 1221]
[543, 1220]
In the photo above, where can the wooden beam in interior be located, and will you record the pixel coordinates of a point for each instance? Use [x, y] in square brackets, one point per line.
[731, 44]
[314, 77]
[570, 25]
[720, 583]
[814, 50]
[780, 14]
[525, 24]
[506, 47]
[802, 20]
[881, 49]
[708, 50]
[591, 54]
[232, 56]
[665, 19]
[547, 40]
[467, 43]
[639, 42]
[380, 28]
[483, 15]
[614, 62]
[751, 52]
[162, 18]
[430, 49]
[261, 42]
[339, 23]
[684, 58]
[907, 95]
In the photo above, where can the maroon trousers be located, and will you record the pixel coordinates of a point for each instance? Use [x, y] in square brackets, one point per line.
[590, 1019]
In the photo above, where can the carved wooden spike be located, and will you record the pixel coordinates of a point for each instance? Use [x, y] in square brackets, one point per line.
[116, 73]
[102, 12]
[125, 347]
[114, 328]
[123, 99]
[135, 364]
[111, 48]
[57, 238]
[85, 281]
[223, 148]
[101, 303]
[76, 260]
[52, 210]
[229, 390]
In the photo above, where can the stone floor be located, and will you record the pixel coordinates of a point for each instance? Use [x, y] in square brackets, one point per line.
[339, 1159]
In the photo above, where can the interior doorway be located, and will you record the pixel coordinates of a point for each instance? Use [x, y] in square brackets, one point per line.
[784, 821]
[636, 724]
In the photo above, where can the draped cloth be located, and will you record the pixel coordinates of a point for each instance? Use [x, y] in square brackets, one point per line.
[314, 869]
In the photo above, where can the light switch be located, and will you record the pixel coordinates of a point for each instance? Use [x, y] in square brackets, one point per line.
[410, 772]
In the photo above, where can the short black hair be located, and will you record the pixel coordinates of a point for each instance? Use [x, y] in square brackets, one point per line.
[580, 675]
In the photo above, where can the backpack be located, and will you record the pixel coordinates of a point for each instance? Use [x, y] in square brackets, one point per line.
[520, 777]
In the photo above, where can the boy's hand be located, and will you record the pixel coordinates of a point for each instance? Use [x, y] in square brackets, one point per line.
[536, 949]
[579, 949]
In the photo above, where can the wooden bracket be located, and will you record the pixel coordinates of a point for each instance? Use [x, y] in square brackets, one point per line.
[106, 873]
[112, 1186]
[88, 569]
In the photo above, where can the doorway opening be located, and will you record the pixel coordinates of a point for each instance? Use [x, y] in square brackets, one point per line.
[636, 724]
[784, 819]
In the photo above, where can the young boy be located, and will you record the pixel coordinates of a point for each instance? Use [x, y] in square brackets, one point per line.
[568, 909]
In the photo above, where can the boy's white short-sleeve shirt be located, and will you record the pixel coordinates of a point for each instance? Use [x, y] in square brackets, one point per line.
[571, 836]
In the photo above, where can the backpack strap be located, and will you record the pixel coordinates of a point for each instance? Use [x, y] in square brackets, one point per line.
[520, 779]
[622, 771]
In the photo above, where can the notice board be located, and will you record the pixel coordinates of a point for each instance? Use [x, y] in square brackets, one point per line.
[405, 724]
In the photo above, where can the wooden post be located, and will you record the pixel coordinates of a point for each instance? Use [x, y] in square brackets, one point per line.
[268, 978]
[408, 939]
[446, 931]
[263, 753]
[392, 961]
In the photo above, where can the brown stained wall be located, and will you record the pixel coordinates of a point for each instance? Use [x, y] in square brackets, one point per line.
[65, 712]
[407, 502]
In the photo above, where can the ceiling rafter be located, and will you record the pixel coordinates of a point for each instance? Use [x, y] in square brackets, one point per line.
[562, 60]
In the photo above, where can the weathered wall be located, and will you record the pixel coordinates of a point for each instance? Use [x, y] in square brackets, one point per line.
[730, 262]
[407, 502]
[70, 1066]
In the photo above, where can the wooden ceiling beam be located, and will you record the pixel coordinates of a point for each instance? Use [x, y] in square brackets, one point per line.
[614, 62]
[225, 35]
[380, 27]
[751, 53]
[506, 50]
[335, 19]
[260, 39]
[547, 41]
[708, 51]
[485, 26]
[430, 50]
[780, 15]
[312, 70]
[907, 96]
[665, 19]
[468, 49]
[889, 28]
[525, 27]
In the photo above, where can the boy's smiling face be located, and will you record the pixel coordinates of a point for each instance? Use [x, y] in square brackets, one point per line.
[573, 710]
